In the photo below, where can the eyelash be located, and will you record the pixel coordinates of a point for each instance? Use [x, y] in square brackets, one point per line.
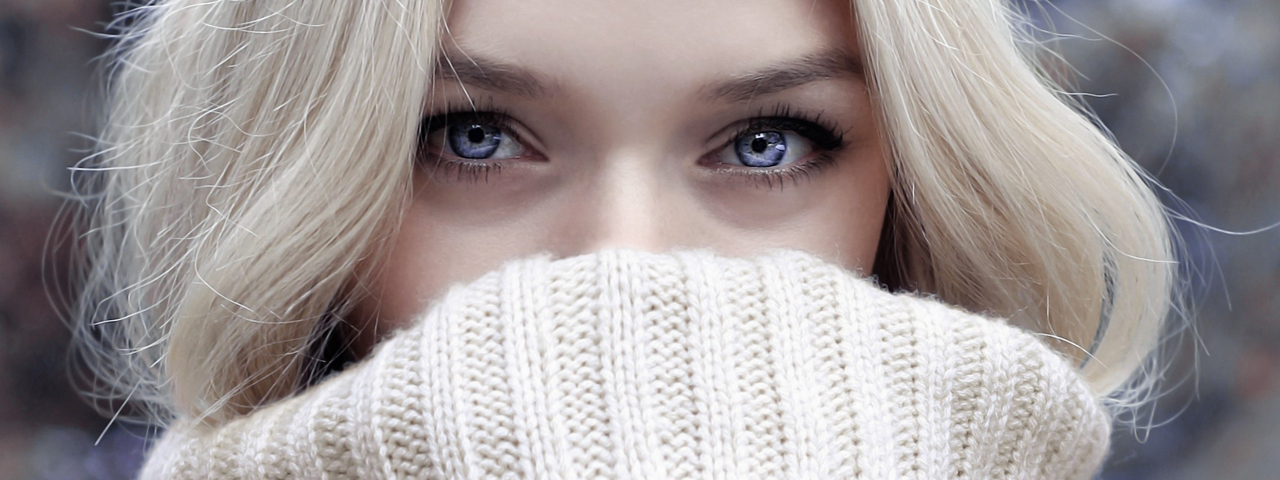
[827, 137]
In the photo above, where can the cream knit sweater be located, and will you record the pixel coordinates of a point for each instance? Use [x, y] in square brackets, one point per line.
[630, 365]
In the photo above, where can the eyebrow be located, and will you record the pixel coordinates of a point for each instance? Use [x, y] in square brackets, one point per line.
[516, 80]
[786, 75]
[494, 75]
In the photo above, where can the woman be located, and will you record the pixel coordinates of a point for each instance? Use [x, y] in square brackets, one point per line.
[289, 187]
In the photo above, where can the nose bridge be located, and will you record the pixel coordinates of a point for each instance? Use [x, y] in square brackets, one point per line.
[627, 209]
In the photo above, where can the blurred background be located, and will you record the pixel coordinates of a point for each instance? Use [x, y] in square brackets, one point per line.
[1190, 88]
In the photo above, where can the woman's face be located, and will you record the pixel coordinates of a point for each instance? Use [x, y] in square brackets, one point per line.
[573, 125]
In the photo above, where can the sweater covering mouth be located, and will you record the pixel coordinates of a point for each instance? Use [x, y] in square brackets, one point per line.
[689, 365]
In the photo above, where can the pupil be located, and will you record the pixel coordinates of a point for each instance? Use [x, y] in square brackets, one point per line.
[475, 134]
[759, 144]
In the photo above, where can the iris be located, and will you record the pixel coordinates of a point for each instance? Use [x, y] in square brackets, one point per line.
[474, 141]
[762, 149]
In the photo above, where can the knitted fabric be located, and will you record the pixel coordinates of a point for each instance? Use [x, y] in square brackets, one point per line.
[631, 365]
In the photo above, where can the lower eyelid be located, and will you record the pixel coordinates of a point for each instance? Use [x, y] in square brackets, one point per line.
[460, 171]
[779, 177]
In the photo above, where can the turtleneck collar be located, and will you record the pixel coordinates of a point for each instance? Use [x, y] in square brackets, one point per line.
[631, 365]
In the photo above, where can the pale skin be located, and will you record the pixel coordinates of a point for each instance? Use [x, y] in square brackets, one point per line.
[731, 125]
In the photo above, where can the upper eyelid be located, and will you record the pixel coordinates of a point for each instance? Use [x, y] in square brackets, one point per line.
[775, 122]
[779, 112]
[501, 119]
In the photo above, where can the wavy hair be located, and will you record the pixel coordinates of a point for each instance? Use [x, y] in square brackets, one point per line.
[257, 158]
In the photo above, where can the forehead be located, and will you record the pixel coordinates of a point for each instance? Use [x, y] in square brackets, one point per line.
[677, 40]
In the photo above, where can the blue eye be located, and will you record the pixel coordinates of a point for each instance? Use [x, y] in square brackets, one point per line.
[766, 149]
[474, 141]
[476, 138]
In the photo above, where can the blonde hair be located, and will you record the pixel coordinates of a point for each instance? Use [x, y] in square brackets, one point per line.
[258, 156]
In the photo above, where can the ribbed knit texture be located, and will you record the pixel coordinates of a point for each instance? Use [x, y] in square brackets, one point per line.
[630, 365]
